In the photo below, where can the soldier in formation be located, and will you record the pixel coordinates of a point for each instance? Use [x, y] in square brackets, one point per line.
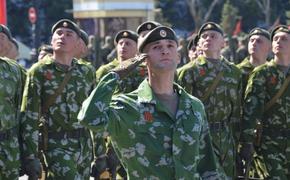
[159, 131]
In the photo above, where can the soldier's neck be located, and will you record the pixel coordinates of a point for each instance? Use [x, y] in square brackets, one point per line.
[63, 59]
[212, 55]
[256, 61]
[161, 83]
[282, 60]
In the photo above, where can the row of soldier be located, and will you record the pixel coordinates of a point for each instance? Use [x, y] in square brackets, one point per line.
[248, 134]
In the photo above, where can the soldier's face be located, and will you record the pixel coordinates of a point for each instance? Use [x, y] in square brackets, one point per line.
[64, 40]
[259, 46]
[211, 41]
[281, 44]
[126, 49]
[162, 55]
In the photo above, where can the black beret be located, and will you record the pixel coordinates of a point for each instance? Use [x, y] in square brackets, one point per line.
[147, 26]
[126, 34]
[210, 26]
[259, 31]
[13, 40]
[193, 40]
[280, 28]
[159, 33]
[46, 48]
[84, 36]
[66, 23]
[4, 29]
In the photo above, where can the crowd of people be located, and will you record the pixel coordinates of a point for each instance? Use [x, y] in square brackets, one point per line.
[160, 109]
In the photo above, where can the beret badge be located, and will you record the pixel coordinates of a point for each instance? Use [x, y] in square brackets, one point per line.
[163, 33]
[65, 24]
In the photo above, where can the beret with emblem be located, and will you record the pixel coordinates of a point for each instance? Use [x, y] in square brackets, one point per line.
[66, 23]
[84, 36]
[210, 26]
[159, 33]
[147, 26]
[280, 28]
[126, 34]
[193, 40]
[259, 31]
[4, 29]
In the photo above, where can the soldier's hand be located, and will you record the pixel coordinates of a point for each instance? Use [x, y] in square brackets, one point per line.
[247, 151]
[128, 65]
[98, 166]
[32, 168]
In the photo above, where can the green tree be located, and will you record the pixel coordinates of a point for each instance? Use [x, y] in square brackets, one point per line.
[229, 17]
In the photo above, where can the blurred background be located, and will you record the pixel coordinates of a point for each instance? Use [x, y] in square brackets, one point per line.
[30, 21]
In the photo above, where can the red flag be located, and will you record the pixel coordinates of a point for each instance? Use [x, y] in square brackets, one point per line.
[3, 18]
[238, 27]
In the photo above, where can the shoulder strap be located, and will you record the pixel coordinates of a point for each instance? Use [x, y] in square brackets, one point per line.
[213, 86]
[278, 94]
[50, 101]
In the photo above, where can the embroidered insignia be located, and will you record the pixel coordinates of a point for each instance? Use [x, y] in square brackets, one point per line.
[201, 72]
[148, 116]
[48, 75]
[273, 80]
[163, 33]
[142, 71]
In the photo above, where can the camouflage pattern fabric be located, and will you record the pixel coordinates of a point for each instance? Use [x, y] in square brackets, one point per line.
[246, 68]
[222, 107]
[264, 83]
[130, 83]
[12, 78]
[68, 156]
[149, 141]
[126, 85]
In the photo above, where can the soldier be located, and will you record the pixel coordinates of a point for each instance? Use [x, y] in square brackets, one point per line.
[11, 88]
[126, 45]
[44, 50]
[259, 46]
[218, 84]
[159, 131]
[192, 47]
[267, 103]
[145, 27]
[55, 88]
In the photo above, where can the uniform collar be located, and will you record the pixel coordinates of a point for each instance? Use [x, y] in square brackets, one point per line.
[246, 63]
[146, 95]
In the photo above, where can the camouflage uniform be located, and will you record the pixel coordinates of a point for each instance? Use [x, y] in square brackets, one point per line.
[264, 83]
[222, 107]
[130, 83]
[11, 87]
[69, 144]
[151, 143]
[246, 68]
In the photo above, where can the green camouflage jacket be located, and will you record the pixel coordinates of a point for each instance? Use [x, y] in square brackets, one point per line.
[149, 141]
[43, 80]
[11, 87]
[130, 83]
[223, 104]
[263, 84]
